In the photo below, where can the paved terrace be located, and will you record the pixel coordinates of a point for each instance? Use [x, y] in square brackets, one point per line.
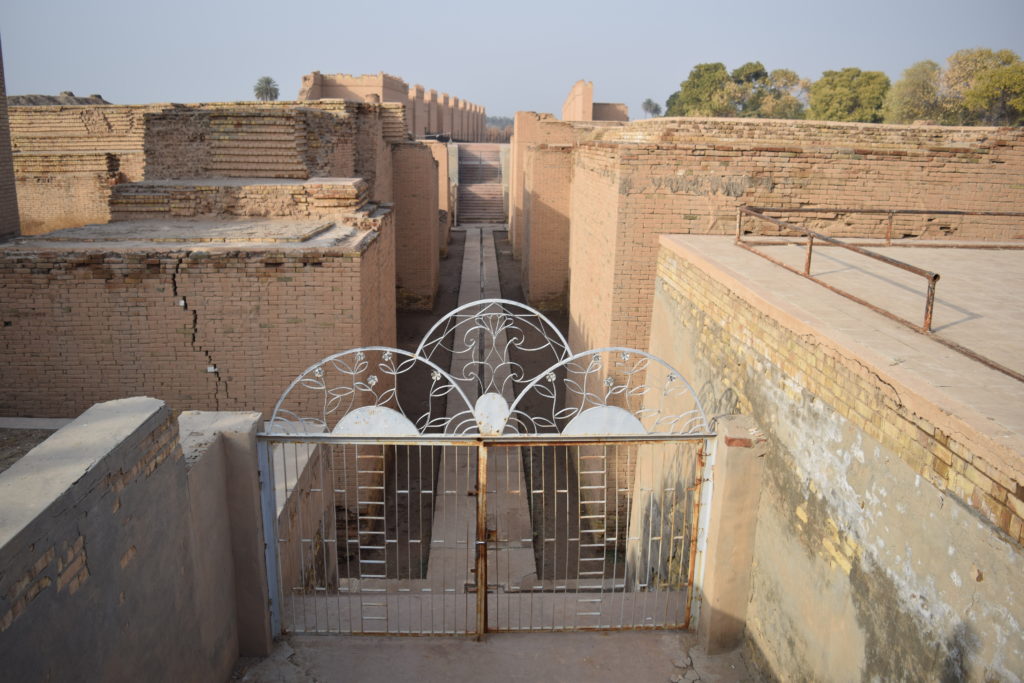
[978, 305]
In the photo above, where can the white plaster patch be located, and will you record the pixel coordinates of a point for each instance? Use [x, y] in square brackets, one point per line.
[957, 581]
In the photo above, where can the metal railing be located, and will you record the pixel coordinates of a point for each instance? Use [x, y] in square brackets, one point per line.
[930, 277]
[610, 541]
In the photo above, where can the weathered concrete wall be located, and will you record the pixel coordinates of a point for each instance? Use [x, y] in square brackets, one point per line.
[417, 251]
[579, 103]
[217, 328]
[117, 527]
[889, 538]
[546, 226]
[689, 175]
[8, 195]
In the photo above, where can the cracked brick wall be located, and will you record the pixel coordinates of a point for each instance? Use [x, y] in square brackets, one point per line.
[203, 329]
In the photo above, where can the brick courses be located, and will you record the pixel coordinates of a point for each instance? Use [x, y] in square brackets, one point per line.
[653, 177]
[211, 328]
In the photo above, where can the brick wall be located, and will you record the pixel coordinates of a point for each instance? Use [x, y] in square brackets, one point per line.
[887, 517]
[110, 529]
[445, 194]
[546, 234]
[251, 142]
[529, 128]
[316, 198]
[579, 103]
[218, 328]
[610, 111]
[416, 231]
[8, 196]
[689, 175]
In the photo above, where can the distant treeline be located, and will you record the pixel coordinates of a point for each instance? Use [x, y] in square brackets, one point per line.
[499, 121]
[978, 86]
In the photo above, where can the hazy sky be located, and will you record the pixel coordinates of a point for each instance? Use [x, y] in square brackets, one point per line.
[505, 59]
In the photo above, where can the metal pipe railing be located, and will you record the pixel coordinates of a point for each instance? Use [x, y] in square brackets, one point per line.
[930, 277]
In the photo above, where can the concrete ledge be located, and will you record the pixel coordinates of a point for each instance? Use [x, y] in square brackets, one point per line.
[33, 483]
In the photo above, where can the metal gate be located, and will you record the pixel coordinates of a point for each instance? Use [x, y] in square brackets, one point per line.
[568, 485]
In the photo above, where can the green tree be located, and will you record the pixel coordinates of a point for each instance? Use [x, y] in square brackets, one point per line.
[265, 89]
[749, 91]
[651, 107]
[702, 93]
[848, 95]
[997, 96]
[963, 69]
[917, 95]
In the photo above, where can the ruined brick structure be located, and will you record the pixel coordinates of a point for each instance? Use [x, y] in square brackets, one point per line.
[632, 182]
[579, 105]
[8, 198]
[237, 223]
[427, 113]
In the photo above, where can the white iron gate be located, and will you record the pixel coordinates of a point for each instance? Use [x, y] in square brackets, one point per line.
[572, 491]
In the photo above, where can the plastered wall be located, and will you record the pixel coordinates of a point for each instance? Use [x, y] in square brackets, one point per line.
[115, 586]
[873, 561]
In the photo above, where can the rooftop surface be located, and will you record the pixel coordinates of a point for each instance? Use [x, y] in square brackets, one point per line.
[176, 233]
[977, 305]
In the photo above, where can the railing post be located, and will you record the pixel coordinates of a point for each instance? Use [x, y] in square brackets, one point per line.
[929, 303]
[481, 542]
[268, 503]
[888, 231]
[739, 224]
[810, 249]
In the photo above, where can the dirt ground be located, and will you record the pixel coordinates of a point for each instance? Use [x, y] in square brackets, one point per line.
[14, 443]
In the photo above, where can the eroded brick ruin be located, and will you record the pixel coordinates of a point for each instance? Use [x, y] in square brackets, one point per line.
[234, 244]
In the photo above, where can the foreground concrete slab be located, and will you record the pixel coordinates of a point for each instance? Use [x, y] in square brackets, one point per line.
[669, 656]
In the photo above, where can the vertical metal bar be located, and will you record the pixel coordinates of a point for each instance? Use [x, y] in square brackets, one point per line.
[739, 225]
[888, 231]
[929, 304]
[702, 508]
[807, 259]
[271, 559]
[481, 542]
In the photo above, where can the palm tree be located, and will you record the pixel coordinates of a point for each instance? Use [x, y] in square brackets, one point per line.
[265, 89]
[651, 107]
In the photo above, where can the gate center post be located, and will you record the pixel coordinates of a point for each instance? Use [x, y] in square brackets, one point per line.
[481, 541]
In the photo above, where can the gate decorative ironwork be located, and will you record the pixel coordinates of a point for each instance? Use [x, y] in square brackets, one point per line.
[524, 488]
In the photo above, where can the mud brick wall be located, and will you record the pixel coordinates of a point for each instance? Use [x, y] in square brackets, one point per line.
[689, 175]
[417, 251]
[445, 194]
[205, 329]
[250, 142]
[79, 128]
[157, 199]
[66, 159]
[115, 533]
[8, 196]
[610, 111]
[546, 219]
[889, 539]
[529, 128]
[579, 103]
[593, 295]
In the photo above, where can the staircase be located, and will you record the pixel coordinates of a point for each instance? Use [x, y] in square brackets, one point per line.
[481, 197]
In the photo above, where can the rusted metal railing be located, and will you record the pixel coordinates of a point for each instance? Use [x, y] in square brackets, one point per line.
[930, 277]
